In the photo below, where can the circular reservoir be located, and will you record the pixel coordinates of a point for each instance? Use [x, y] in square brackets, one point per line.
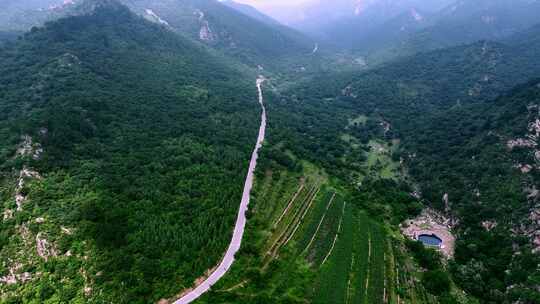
[430, 240]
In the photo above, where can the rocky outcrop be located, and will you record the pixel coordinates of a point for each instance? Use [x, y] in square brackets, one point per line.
[532, 229]
[152, 16]
[530, 141]
[205, 33]
[45, 249]
[28, 148]
[20, 193]
[349, 92]
[15, 275]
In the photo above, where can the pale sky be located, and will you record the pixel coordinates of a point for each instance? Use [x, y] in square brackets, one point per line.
[272, 3]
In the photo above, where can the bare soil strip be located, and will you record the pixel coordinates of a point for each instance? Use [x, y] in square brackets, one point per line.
[289, 205]
[303, 216]
[284, 237]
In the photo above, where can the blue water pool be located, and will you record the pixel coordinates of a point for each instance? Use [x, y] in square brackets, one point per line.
[430, 240]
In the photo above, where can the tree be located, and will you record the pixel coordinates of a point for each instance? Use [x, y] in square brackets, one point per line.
[437, 282]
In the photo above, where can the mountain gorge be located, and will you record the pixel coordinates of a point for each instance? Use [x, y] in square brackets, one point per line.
[129, 125]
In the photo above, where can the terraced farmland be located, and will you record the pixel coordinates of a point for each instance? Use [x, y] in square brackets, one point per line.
[310, 244]
[356, 271]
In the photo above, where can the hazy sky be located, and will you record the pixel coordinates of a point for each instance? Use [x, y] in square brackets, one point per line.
[272, 3]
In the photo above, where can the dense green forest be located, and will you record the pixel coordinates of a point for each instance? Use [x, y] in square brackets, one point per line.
[240, 36]
[143, 135]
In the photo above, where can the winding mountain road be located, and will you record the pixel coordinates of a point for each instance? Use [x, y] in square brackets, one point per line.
[238, 233]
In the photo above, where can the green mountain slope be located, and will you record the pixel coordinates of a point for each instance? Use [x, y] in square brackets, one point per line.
[122, 145]
[250, 38]
[224, 28]
[250, 11]
[485, 158]
[438, 118]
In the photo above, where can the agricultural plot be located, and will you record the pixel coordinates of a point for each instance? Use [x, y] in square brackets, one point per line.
[356, 271]
[376, 288]
[315, 247]
[327, 228]
[333, 283]
[314, 220]
[290, 220]
[357, 292]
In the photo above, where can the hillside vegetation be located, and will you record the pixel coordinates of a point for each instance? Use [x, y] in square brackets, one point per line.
[117, 135]
[457, 139]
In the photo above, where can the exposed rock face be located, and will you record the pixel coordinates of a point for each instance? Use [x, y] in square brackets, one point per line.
[8, 214]
[44, 248]
[489, 225]
[14, 276]
[205, 34]
[446, 202]
[24, 175]
[361, 61]
[524, 168]
[152, 16]
[28, 148]
[521, 143]
[431, 222]
[530, 141]
[532, 230]
[349, 92]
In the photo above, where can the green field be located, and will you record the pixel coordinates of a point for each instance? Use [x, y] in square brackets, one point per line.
[306, 244]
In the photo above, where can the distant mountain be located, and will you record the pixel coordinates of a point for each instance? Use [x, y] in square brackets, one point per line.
[469, 21]
[222, 27]
[250, 11]
[348, 23]
[122, 143]
[239, 31]
[385, 29]
[443, 78]
[22, 15]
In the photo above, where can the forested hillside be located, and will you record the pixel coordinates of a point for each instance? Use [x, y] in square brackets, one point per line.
[243, 36]
[484, 158]
[467, 152]
[117, 135]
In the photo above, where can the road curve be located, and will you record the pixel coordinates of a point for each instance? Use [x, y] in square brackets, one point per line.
[238, 233]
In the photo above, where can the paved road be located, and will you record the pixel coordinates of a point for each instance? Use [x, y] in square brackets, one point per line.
[236, 241]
